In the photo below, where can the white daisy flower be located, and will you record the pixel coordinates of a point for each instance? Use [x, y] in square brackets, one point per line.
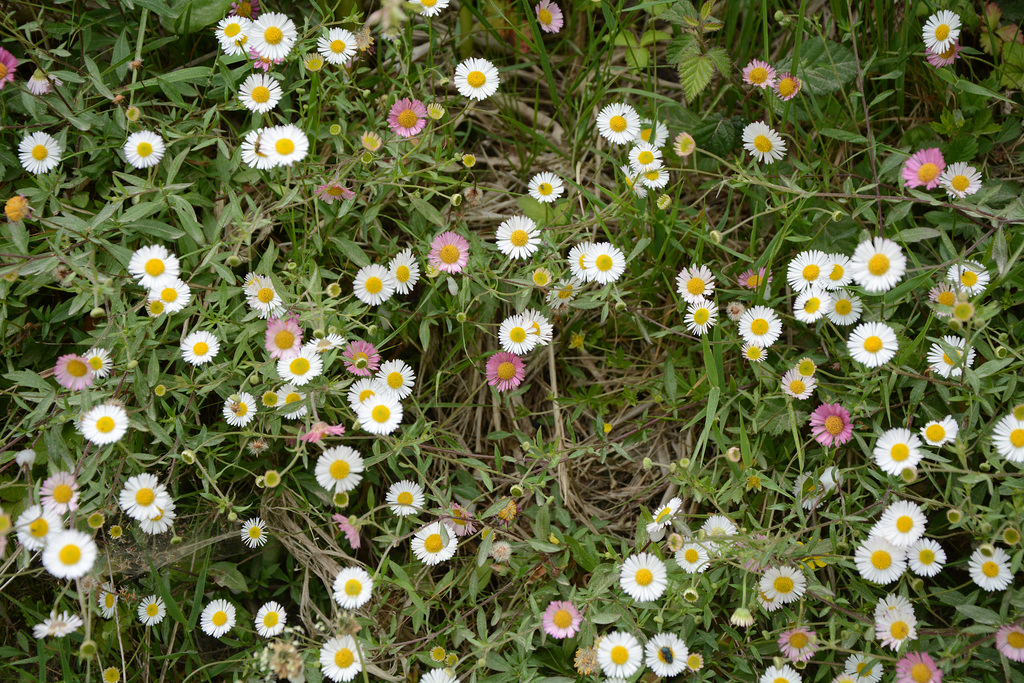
[879, 561]
[300, 368]
[753, 352]
[340, 660]
[440, 675]
[878, 264]
[796, 385]
[546, 187]
[57, 625]
[254, 533]
[655, 179]
[239, 409]
[701, 315]
[107, 600]
[537, 325]
[153, 265]
[844, 308]
[763, 143]
[654, 133]
[693, 558]
[941, 31]
[892, 602]
[339, 469]
[1008, 438]
[783, 584]
[632, 179]
[144, 149]
[337, 46]
[362, 390]
[233, 35]
[950, 364]
[173, 294]
[863, 669]
[405, 270]
[619, 654]
[434, 543]
[644, 157]
[717, 526]
[896, 627]
[643, 577]
[152, 610]
[896, 450]
[398, 377]
[261, 296]
[579, 262]
[618, 123]
[476, 79]
[259, 93]
[39, 152]
[217, 618]
[760, 325]
[272, 35]
[35, 526]
[518, 237]
[405, 498]
[253, 151]
[811, 305]
[373, 285]
[808, 269]
[695, 282]
[940, 432]
[926, 557]
[381, 414]
[326, 343]
[969, 276]
[960, 180]
[285, 144]
[100, 361]
[430, 8]
[104, 424]
[514, 335]
[666, 654]
[199, 348]
[780, 674]
[991, 572]
[144, 497]
[160, 524]
[663, 516]
[293, 403]
[837, 272]
[605, 263]
[872, 344]
[353, 588]
[902, 524]
[271, 619]
[69, 554]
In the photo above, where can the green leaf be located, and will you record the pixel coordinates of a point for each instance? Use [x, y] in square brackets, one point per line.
[97, 78]
[845, 136]
[716, 134]
[695, 73]
[918, 234]
[427, 210]
[824, 66]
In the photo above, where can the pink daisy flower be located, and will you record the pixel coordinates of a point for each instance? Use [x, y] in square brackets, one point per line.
[59, 493]
[918, 667]
[561, 619]
[260, 62]
[752, 280]
[550, 16]
[940, 59]
[449, 252]
[407, 117]
[250, 9]
[830, 423]
[8, 64]
[924, 168]
[333, 191]
[350, 531]
[759, 74]
[1010, 641]
[798, 644]
[361, 358]
[460, 521]
[787, 87]
[505, 371]
[320, 430]
[73, 372]
[284, 336]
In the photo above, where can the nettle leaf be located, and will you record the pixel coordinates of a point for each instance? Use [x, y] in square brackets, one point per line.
[695, 73]
[824, 66]
[716, 134]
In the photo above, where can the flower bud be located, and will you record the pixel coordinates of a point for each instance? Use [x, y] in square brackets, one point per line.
[716, 236]
[133, 114]
[233, 261]
[664, 201]
[455, 199]
[341, 499]
[647, 464]
[116, 531]
[232, 516]
[96, 520]
[88, 649]
[177, 540]
[674, 542]
[334, 289]
[132, 364]
[987, 549]
[371, 330]
[98, 312]
[516, 490]
[953, 516]
[159, 390]
[1011, 536]
[188, 457]
[468, 160]
[985, 466]
[733, 454]
[837, 216]
[271, 478]
[460, 317]
[916, 585]
[620, 306]
[691, 594]
[1001, 352]
[335, 129]
[909, 475]
[985, 528]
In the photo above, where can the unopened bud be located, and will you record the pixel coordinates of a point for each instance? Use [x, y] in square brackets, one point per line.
[516, 490]
[909, 475]
[188, 457]
[987, 549]
[98, 312]
[232, 516]
[455, 199]
[88, 649]
[132, 364]
[1011, 536]
[334, 289]
[1001, 352]
[648, 464]
[233, 261]
[953, 516]
[716, 236]
[341, 499]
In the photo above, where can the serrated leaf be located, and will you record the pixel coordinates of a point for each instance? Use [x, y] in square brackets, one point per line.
[720, 58]
[716, 134]
[695, 73]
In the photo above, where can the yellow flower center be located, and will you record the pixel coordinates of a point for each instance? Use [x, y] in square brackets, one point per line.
[811, 272]
[506, 371]
[920, 673]
[759, 326]
[299, 366]
[232, 30]
[1015, 639]
[433, 544]
[797, 387]
[428, 3]
[353, 587]
[904, 524]
[926, 556]
[77, 368]
[942, 32]
[395, 380]
[843, 307]
[617, 123]
[691, 555]
[108, 600]
[753, 281]
[449, 254]
[381, 414]
[169, 294]
[39, 528]
[783, 584]
[927, 172]
[754, 352]
[374, 285]
[270, 619]
[700, 316]
[284, 146]
[946, 298]
[255, 532]
[200, 348]
[519, 238]
[620, 655]
[960, 183]
[798, 640]
[284, 339]
[544, 16]
[365, 394]
[763, 144]
[70, 554]
[265, 295]
[545, 189]
[408, 118]
[338, 46]
[152, 609]
[517, 335]
[144, 149]
[105, 424]
[935, 433]
[219, 618]
[878, 264]
[339, 469]
[39, 152]
[787, 86]
[562, 619]
[1017, 438]
[404, 498]
[402, 273]
[476, 79]
[873, 344]
[968, 278]
[145, 497]
[603, 263]
[645, 157]
[644, 577]
[62, 493]
[812, 305]
[899, 452]
[343, 658]
[990, 569]
[806, 367]
[695, 286]
[899, 630]
[758, 75]
[273, 35]
[260, 94]
[880, 559]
